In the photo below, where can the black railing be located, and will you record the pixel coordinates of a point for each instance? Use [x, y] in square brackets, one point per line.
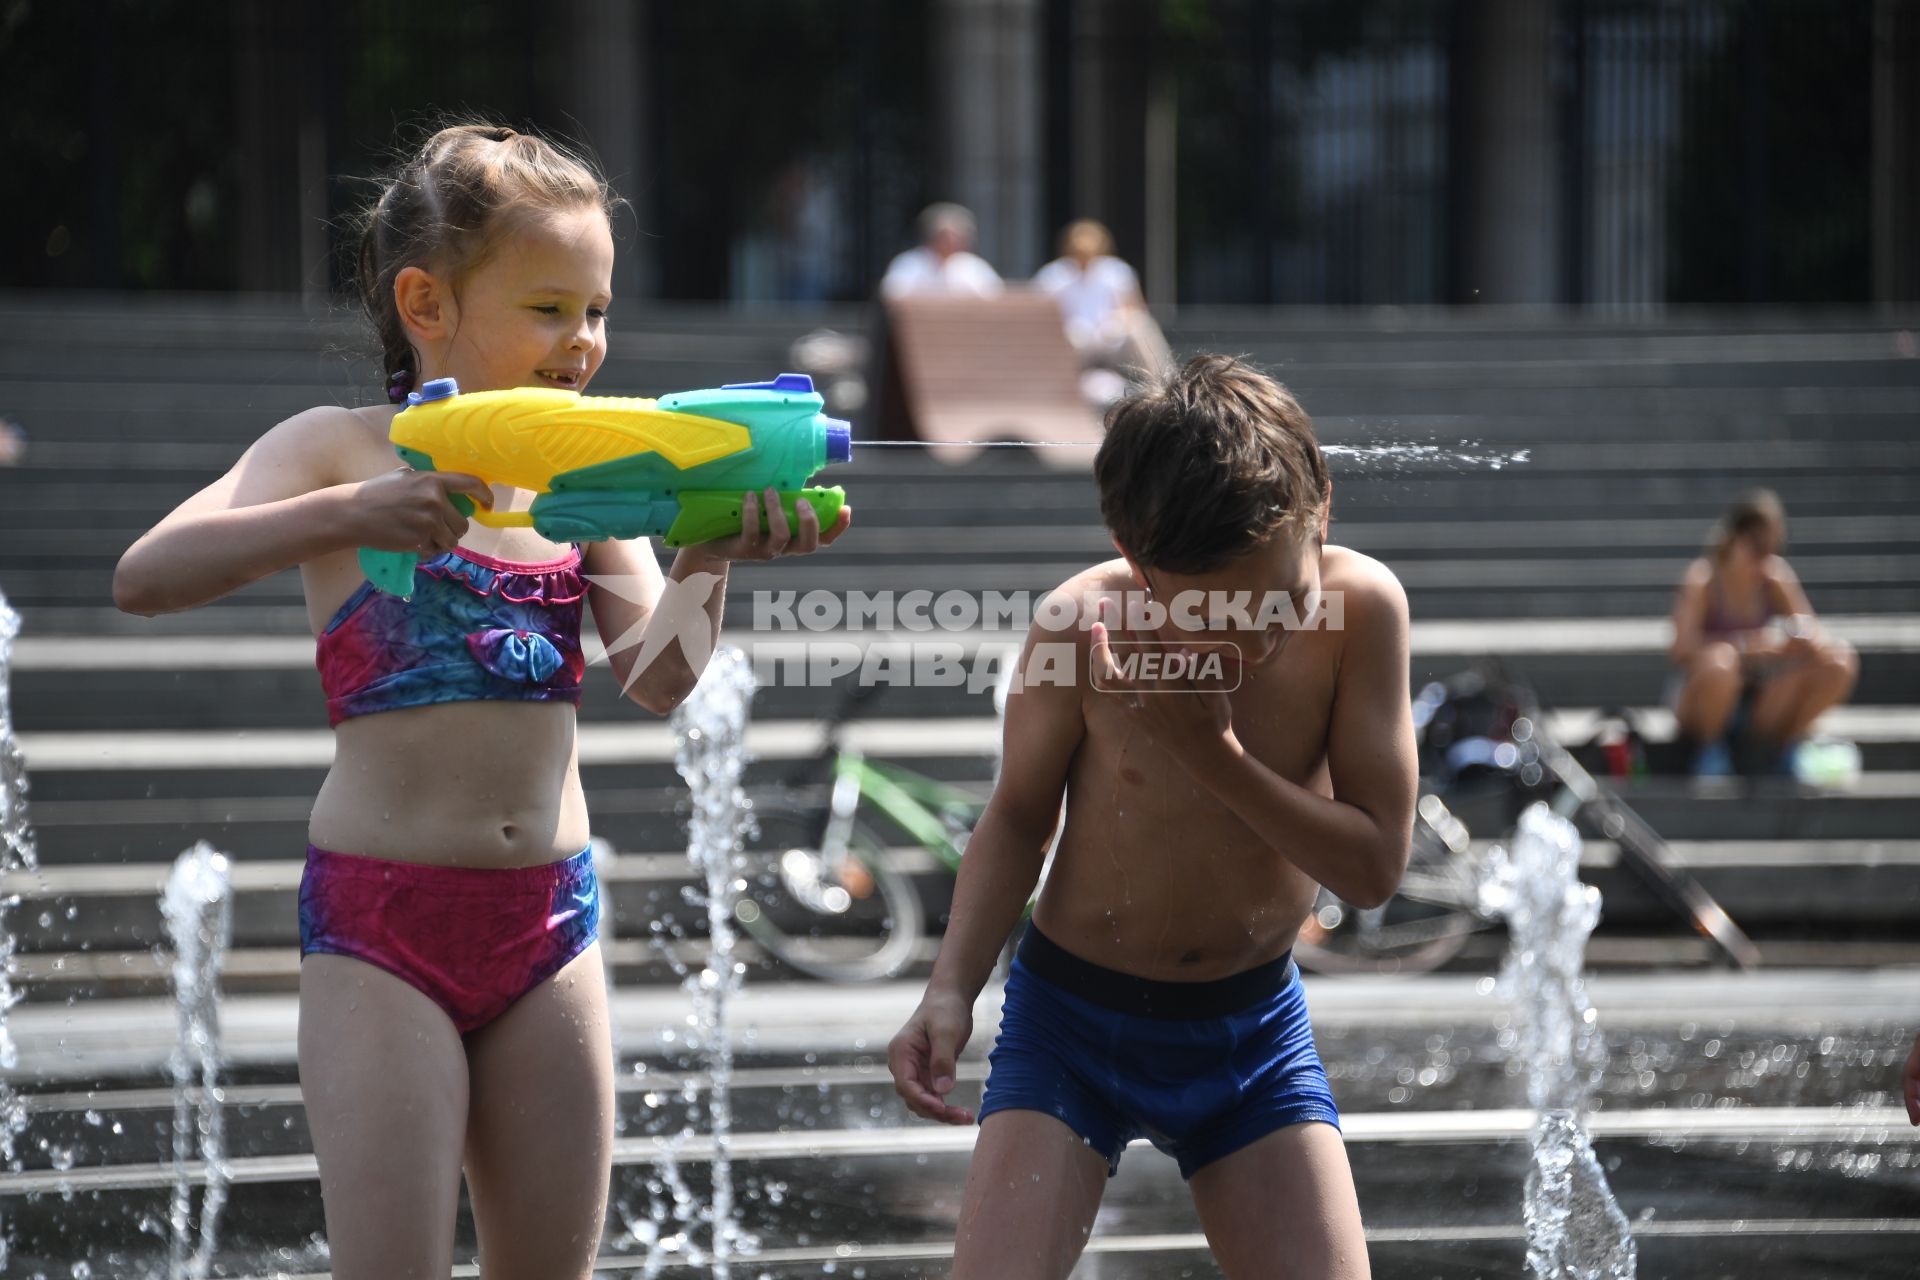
[1327, 151]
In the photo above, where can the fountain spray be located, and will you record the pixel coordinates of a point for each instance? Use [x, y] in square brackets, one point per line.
[710, 732]
[1575, 1229]
[198, 906]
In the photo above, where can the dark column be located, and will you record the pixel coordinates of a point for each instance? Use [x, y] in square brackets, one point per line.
[1160, 188]
[1262, 198]
[1090, 58]
[1112, 79]
[987, 54]
[1896, 152]
[599, 87]
[103, 145]
[1574, 155]
[1057, 97]
[282, 148]
[1756, 238]
[1504, 220]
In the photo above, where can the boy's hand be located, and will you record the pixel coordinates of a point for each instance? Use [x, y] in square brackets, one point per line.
[922, 1055]
[1192, 716]
[781, 538]
[1910, 1083]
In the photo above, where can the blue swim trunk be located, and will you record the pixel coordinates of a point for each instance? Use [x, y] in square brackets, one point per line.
[1201, 1069]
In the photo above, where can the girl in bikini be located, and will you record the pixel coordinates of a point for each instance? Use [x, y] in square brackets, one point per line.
[453, 1012]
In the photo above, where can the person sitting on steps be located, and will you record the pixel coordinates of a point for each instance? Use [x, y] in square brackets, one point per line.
[1753, 668]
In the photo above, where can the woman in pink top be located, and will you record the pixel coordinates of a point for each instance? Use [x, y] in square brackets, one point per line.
[1099, 295]
[453, 1011]
[1746, 645]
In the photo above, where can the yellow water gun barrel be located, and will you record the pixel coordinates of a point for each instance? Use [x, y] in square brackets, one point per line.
[622, 467]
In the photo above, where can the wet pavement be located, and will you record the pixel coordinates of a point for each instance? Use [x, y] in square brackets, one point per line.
[1757, 1132]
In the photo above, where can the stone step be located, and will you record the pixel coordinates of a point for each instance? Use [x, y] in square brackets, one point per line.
[268, 608]
[887, 538]
[1766, 332]
[198, 416]
[143, 797]
[1467, 1094]
[254, 815]
[89, 763]
[237, 351]
[97, 700]
[825, 1162]
[1354, 458]
[892, 1215]
[88, 524]
[1032, 498]
[122, 1043]
[97, 927]
[1829, 579]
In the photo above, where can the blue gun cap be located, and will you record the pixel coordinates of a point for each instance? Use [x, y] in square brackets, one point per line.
[435, 389]
[839, 440]
[798, 382]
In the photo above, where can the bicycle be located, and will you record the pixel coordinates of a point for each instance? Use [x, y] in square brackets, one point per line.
[1484, 745]
[827, 895]
[1424, 925]
[824, 892]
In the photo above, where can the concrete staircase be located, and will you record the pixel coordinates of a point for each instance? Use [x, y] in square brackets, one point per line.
[145, 735]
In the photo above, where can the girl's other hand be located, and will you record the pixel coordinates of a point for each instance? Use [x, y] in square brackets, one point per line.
[408, 510]
[781, 537]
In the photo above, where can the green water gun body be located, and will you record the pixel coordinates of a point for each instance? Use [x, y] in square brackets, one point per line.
[621, 467]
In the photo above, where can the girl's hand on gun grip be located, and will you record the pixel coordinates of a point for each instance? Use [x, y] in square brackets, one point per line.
[922, 1054]
[782, 537]
[408, 510]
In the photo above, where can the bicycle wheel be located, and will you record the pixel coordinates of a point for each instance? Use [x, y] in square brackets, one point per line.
[1424, 925]
[858, 921]
[1402, 937]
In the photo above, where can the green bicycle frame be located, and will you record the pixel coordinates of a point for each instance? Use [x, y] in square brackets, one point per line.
[912, 801]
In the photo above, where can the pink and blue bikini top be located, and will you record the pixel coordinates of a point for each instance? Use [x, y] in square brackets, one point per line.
[1722, 620]
[476, 628]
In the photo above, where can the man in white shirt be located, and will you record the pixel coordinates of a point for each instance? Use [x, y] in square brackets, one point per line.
[942, 265]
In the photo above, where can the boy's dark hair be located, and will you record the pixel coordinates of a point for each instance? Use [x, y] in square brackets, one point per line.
[451, 203]
[1200, 465]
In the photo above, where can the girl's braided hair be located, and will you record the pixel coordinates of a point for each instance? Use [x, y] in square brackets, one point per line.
[449, 206]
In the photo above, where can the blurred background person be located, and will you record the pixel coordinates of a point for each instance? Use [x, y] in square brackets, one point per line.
[1754, 669]
[944, 262]
[1106, 318]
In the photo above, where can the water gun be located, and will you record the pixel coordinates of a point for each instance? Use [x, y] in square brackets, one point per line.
[617, 466]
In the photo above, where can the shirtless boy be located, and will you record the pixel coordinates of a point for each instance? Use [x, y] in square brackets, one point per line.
[1154, 994]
